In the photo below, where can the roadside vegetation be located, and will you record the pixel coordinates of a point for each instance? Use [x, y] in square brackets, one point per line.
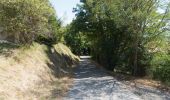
[124, 36]
[38, 72]
[127, 36]
[23, 21]
[34, 62]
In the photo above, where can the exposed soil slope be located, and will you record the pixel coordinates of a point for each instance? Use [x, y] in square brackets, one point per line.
[39, 72]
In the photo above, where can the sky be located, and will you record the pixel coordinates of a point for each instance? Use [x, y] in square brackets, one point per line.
[64, 9]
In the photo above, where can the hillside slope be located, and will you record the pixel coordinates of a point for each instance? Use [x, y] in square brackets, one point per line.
[39, 72]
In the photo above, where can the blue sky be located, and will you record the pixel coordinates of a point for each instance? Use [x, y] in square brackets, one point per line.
[64, 9]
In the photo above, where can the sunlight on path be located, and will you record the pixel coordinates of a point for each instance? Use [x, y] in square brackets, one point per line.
[92, 83]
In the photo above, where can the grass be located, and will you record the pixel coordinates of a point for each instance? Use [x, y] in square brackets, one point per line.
[34, 67]
[135, 81]
[6, 48]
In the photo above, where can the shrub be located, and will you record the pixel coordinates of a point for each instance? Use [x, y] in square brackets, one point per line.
[161, 68]
[23, 20]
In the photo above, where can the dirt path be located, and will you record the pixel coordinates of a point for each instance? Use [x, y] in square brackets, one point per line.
[91, 83]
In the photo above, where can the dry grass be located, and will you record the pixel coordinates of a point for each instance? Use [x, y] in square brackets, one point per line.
[64, 50]
[135, 81]
[145, 81]
[32, 74]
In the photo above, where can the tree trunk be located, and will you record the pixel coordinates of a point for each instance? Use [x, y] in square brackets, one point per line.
[135, 73]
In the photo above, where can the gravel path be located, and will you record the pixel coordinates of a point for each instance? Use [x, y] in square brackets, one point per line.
[91, 83]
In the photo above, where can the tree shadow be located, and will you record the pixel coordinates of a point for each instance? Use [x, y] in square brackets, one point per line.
[60, 64]
[6, 48]
[91, 80]
[88, 69]
[154, 88]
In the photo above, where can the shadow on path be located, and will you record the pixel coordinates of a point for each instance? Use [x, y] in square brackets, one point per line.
[93, 83]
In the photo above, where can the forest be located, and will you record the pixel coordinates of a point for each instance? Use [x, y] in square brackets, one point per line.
[124, 36]
[129, 36]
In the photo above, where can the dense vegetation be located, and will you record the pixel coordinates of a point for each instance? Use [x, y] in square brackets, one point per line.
[76, 40]
[36, 70]
[130, 36]
[125, 35]
[24, 21]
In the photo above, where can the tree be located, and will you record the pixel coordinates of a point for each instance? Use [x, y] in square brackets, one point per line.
[24, 20]
[75, 39]
[120, 29]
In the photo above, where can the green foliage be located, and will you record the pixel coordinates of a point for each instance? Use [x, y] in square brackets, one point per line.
[5, 48]
[55, 32]
[119, 31]
[75, 39]
[24, 20]
[161, 67]
[160, 64]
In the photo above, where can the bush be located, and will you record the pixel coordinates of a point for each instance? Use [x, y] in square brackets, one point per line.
[161, 68]
[23, 20]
